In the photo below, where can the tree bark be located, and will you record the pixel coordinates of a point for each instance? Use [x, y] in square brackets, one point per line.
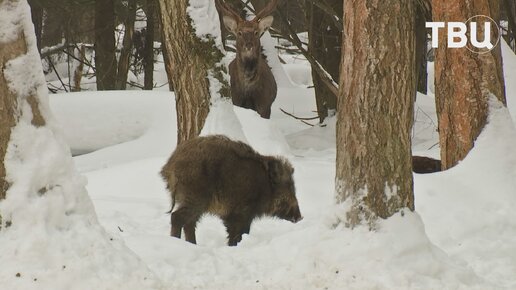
[9, 108]
[148, 57]
[105, 57]
[325, 45]
[464, 80]
[8, 104]
[127, 47]
[78, 72]
[510, 10]
[377, 87]
[192, 61]
[421, 49]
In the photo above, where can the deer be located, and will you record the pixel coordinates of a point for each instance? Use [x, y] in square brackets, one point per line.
[252, 83]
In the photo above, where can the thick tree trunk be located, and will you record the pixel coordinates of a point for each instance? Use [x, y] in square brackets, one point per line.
[325, 45]
[148, 57]
[190, 62]
[166, 58]
[105, 57]
[377, 87]
[510, 9]
[9, 104]
[127, 47]
[421, 48]
[464, 80]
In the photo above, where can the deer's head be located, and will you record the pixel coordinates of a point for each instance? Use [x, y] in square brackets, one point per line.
[247, 32]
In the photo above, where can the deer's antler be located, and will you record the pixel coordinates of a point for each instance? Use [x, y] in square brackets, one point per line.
[267, 10]
[225, 9]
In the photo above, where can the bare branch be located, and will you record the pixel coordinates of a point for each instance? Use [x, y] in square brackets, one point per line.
[323, 5]
[325, 77]
[57, 73]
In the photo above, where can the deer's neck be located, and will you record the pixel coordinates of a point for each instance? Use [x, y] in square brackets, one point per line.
[249, 68]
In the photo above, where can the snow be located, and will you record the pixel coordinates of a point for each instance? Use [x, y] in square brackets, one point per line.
[205, 20]
[50, 235]
[478, 192]
[113, 231]
[509, 65]
[462, 235]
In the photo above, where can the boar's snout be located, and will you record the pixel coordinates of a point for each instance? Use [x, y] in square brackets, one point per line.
[296, 215]
[289, 212]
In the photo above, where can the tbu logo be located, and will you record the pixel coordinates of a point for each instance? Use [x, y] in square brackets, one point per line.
[480, 26]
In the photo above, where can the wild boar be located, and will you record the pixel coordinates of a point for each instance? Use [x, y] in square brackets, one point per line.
[228, 179]
[425, 164]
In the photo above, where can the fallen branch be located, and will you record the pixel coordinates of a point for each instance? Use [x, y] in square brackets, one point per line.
[300, 118]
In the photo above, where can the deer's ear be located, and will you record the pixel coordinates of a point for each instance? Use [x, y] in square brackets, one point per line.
[230, 23]
[265, 23]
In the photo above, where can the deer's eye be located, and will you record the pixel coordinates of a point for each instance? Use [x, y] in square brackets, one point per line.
[240, 33]
[255, 33]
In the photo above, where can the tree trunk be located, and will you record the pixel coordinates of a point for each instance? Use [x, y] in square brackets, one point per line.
[148, 57]
[377, 87]
[510, 9]
[9, 108]
[192, 61]
[325, 45]
[78, 72]
[36, 10]
[421, 49]
[105, 57]
[127, 47]
[52, 33]
[464, 80]
[8, 104]
[166, 58]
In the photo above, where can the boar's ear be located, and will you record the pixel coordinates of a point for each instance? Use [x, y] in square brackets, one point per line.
[277, 170]
[274, 169]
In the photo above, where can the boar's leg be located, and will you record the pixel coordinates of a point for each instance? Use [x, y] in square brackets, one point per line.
[176, 226]
[190, 232]
[236, 226]
[184, 217]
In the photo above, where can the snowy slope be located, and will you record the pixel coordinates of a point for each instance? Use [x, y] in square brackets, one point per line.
[462, 235]
[50, 236]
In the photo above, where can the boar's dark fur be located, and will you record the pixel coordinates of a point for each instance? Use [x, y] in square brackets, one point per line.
[425, 164]
[228, 179]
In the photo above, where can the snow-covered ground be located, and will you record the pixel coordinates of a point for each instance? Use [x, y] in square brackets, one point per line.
[462, 235]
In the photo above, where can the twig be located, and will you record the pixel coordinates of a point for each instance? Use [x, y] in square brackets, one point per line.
[433, 145]
[57, 73]
[299, 118]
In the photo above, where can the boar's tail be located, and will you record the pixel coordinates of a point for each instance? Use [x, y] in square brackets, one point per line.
[171, 181]
[173, 204]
